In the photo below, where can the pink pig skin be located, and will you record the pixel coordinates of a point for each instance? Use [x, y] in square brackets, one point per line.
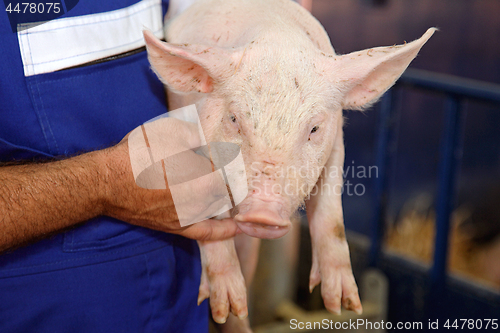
[264, 75]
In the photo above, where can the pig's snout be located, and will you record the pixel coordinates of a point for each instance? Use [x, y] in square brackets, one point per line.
[263, 218]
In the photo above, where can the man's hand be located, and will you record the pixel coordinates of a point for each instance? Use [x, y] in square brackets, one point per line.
[37, 200]
[154, 209]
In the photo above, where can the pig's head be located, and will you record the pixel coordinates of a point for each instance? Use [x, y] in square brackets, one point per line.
[282, 105]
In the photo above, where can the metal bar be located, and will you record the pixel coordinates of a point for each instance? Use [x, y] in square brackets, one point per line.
[385, 129]
[450, 84]
[450, 157]
[455, 89]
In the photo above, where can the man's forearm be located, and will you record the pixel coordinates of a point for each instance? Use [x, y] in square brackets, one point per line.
[39, 199]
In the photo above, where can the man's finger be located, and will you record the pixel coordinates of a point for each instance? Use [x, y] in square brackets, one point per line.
[212, 230]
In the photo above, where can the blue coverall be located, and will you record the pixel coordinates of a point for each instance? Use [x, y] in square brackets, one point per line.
[104, 275]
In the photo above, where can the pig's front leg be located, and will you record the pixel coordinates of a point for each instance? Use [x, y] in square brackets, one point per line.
[331, 264]
[222, 280]
[247, 249]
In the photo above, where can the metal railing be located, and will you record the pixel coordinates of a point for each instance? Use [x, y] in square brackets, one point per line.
[455, 91]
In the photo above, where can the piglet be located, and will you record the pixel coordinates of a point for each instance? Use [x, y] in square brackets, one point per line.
[264, 75]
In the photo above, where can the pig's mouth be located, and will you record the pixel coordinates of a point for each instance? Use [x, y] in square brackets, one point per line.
[263, 218]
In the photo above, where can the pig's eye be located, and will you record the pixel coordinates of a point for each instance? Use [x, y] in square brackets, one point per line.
[314, 130]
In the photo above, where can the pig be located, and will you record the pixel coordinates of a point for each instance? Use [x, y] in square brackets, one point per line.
[264, 75]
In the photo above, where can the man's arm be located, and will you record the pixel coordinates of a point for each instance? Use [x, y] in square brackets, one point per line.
[37, 200]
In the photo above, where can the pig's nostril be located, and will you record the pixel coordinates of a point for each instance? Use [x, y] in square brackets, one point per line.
[272, 227]
[258, 225]
[262, 220]
[263, 231]
[263, 217]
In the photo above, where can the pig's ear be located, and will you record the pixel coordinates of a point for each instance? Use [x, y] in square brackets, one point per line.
[188, 68]
[365, 75]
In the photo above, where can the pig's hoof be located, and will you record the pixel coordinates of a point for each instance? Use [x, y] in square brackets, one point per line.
[338, 287]
[228, 297]
[222, 280]
[227, 292]
[341, 289]
[235, 325]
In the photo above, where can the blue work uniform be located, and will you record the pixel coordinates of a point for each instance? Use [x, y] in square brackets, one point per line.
[104, 275]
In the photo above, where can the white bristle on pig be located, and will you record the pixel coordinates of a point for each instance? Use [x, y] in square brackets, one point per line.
[264, 75]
